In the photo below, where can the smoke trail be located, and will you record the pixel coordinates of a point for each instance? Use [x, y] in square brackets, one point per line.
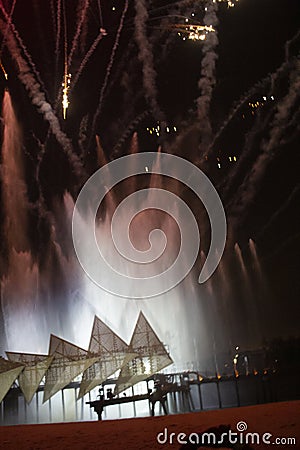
[129, 130]
[145, 55]
[260, 125]
[208, 80]
[270, 79]
[293, 124]
[52, 9]
[124, 76]
[20, 42]
[289, 44]
[100, 13]
[80, 22]
[40, 204]
[239, 104]
[187, 138]
[58, 33]
[248, 189]
[4, 35]
[86, 58]
[284, 109]
[279, 211]
[82, 65]
[38, 99]
[82, 135]
[177, 9]
[84, 30]
[109, 67]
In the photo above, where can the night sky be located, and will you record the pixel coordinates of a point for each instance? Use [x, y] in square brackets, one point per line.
[251, 47]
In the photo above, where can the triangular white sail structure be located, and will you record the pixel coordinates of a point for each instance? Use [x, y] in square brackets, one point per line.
[112, 353]
[68, 362]
[9, 372]
[33, 373]
[107, 354]
[152, 356]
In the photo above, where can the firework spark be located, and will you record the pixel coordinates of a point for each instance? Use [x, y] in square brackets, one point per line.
[192, 32]
[65, 97]
[3, 70]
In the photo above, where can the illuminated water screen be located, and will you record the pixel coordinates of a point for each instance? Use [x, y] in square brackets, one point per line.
[88, 83]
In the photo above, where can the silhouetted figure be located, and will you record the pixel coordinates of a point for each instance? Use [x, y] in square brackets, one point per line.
[101, 394]
[159, 395]
[109, 394]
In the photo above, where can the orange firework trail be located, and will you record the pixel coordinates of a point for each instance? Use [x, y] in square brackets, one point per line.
[3, 70]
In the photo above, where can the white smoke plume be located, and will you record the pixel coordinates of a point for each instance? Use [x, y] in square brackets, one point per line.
[38, 99]
[207, 80]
